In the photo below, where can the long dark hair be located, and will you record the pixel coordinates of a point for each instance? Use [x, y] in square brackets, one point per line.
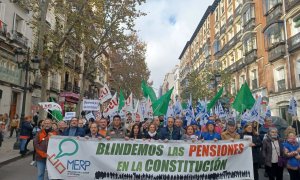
[139, 135]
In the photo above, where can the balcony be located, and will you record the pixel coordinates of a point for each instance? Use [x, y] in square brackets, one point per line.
[68, 86]
[239, 64]
[294, 42]
[289, 4]
[274, 15]
[277, 53]
[254, 84]
[69, 62]
[76, 89]
[251, 56]
[223, 29]
[249, 25]
[3, 29]
[19, 39]
[54, 86]
[281, 85]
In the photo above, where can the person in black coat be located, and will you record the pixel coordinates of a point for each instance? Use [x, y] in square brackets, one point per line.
[74, 130]
[250, 134]
[170, 132]
[152, 133]
[135, 132]
[25, 134]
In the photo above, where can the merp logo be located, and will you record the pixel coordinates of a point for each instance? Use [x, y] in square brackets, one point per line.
[64, 151]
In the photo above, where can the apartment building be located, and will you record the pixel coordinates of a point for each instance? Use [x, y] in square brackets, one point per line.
[14, 33]
[255, 41]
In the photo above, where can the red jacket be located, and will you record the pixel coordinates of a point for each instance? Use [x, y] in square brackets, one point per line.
[41, 144]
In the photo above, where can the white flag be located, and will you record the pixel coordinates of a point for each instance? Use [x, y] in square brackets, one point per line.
[149, 110]
[255, 112]
[50, 106]
[138, 114]
[112, 108]
[292, 107]
[104, 94]
[128, 104]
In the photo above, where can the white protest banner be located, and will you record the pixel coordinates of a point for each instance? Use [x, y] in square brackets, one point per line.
[91, 105]
[104, 94]
[90, 116]
[112, 108]
[73, 158]
[50, 106]
[69, 116]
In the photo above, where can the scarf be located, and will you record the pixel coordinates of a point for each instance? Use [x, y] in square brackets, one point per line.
[151, 134]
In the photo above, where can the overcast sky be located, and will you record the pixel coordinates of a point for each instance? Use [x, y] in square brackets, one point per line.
[166, 28]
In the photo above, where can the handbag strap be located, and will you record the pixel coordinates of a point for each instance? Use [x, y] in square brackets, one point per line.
[275, 147]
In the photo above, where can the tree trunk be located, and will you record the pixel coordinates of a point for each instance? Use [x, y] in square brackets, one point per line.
[43, 68]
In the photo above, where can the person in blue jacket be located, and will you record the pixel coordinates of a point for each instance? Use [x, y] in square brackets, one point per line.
[74, 130]
[210, 134]
[170, 132]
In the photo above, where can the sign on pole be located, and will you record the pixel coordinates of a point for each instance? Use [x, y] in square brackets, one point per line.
[69, 116]
[90, 105]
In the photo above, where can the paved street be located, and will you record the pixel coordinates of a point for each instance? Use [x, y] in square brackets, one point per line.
[27, 172]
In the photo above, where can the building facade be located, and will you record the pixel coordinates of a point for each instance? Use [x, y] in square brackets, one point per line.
[255, 41]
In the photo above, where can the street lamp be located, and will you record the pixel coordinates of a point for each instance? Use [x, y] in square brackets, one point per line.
[24, 64]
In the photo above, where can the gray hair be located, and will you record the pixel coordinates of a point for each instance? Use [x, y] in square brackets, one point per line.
[272, 129]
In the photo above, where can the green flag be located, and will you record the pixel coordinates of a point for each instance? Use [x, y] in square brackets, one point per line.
[214, 99]
[184, 105]
[160, 106]
[121, 100]
[148, 91]
[56, 114]
[244, 99]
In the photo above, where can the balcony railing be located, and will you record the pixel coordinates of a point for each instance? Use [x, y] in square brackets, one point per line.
[3, 28]
[54, 86]
[251, 57]
[254, 84]
[274, 15]
[276, 53]
[239, 64]
[245, 1]
[281, 85]
[76, 89]
[289, 4]
[18, 38]
[294, 42]
[68, 86]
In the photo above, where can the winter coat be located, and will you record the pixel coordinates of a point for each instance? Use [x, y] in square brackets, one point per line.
[255, 149]
[79, 132]
[166, 134]
[267, 150]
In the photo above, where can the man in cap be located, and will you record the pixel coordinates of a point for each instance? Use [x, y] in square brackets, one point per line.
[230, 133]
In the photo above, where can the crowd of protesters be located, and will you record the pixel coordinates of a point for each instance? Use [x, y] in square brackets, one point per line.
[268, 148]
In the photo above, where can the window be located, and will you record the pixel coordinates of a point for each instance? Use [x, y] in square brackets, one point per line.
[237, 3]
[294, 29]
[229, 2]
[238, 26]
[249, 44]
[224, 64]
[216, 46]
[242, 80]
[249, 14]
[274, 35]
[230, 12]
[231, 58]
[230, 34]
[280, 78]
[253, 76]
[239, 53]
[19, 24]
[270, 4]
[217, 14]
